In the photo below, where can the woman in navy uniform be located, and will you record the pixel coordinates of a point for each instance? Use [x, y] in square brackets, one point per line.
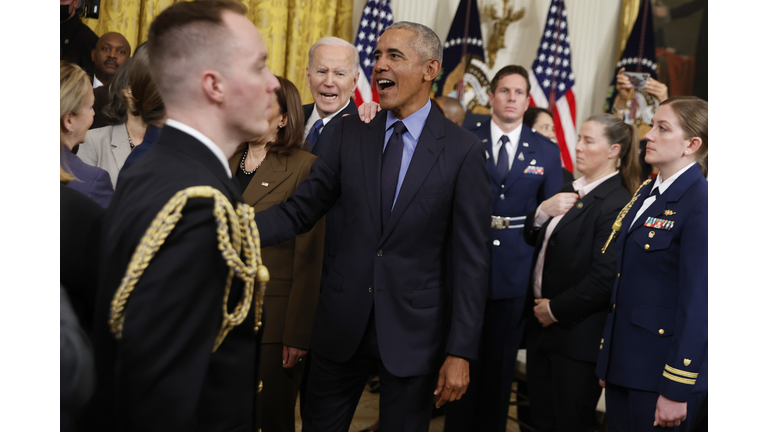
[571, 280]
[653, 355]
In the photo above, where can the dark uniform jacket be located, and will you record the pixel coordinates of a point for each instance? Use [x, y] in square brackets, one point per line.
[656, 335]
[522, 192]
[162, 374]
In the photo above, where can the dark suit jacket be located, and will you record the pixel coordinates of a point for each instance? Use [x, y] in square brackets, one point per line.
[100, 101]
[655, 338]
[80, 224]
[334, 219]
[294, 265]
[577, 277]
[521, 193]
[425, 272]
[163, 371]
[90, 181]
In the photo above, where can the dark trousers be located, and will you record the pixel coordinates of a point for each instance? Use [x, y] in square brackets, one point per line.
[485, 405]
[630, 410]
[334, 389]
[563, 392]
[277, 400]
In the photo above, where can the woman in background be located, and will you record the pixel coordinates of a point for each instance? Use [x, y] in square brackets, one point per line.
[268, 170]
[76, 116]
[653, 353]
[541, 121]
[571, 278]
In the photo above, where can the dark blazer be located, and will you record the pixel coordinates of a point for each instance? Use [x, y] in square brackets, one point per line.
[294, 265]
[79, 227]
[655, 338]
[577, 277]
[90, 181]
[100, 101]
[163, 371]
[426, 269]
[520, 194]
[334, 219]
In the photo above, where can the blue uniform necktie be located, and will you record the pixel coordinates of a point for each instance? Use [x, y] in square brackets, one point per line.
[314, 134]
[390, 170]
[502, 162]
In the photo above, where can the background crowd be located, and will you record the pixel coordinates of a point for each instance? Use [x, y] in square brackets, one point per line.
[421, 292]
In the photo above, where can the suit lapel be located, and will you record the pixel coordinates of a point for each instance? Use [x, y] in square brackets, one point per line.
[528, 152]
[371, 153]
[327, 132]
[428, 148]
[121, 147]
[273, 172]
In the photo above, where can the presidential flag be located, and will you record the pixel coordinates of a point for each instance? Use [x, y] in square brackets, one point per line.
[464, 74]
[377, 16]
[552, 80]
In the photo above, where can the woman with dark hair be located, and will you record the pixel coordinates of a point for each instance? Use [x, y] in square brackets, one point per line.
[268, 170]
[653, 354]
[143, 114]
[571, 278]
[541, 121]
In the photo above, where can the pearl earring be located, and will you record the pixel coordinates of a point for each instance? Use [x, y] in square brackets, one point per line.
[70, 132]
[280, 126]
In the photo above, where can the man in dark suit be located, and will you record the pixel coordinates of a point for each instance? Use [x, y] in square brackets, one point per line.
[524, 167]
[168, 371]
[76, 40]
[110, 52]
[407, 289]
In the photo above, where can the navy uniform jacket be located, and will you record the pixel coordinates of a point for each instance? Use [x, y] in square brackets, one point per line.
[520, 194]
[425, 272]
[655, 338]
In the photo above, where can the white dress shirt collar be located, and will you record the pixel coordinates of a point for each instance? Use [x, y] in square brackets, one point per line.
[203, 139]
[581, 186]
[514, 139]
[96, 82]
[315, 116]
[663, 185]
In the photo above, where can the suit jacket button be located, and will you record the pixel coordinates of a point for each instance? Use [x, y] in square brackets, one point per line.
[496, 242]
[379, 252]
[370, 289]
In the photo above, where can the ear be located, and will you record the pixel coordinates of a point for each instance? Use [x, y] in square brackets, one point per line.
[357, 75]
[693, 145]
[433, 68]
[93, 52]
[67, 122]
[527, 102]
[308, 77]
[283, 120]
[615, 151]
[214, 86]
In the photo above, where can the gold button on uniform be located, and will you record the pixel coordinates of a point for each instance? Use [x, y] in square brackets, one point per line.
[579, 205]
[661, 331]
[602, 340]
[601, 346]
[647, 246]
[614, 305]
[651, 234]
[618, 275]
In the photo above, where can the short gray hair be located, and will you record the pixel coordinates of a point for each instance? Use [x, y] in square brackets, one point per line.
[334, 41]
[424, 40]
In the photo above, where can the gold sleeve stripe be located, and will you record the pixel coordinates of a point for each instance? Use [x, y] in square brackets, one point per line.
[681, 372]
[678, 379]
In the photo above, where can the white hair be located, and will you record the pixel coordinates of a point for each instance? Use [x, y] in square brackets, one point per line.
[334, 41]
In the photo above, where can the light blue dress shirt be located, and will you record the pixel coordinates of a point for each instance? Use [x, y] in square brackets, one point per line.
[415, 124]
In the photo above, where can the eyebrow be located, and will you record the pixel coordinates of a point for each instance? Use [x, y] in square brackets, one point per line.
[390, 50]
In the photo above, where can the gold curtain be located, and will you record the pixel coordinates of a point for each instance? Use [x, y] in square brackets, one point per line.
[627, 17]
[288, 27]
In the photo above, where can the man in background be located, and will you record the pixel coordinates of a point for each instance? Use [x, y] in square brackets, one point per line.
[110, 52]
[76, 39]
[452, 109]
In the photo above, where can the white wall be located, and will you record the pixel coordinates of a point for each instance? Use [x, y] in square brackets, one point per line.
[592, 26]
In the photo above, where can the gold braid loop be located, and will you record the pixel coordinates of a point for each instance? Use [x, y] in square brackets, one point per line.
[244, 233]
[617, 224]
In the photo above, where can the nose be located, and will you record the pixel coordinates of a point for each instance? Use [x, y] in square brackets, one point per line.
[328, 81]
[649, 135]
[275, 84]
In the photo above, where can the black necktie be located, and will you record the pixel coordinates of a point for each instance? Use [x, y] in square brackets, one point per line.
[502, 163]
[654, 192]
[314, 134]
[390, 170]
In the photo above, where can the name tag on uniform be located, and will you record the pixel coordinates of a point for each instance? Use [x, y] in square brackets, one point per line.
[536, 170]
[658, 223]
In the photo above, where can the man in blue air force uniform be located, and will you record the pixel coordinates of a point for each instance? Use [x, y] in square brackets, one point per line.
[525, 170]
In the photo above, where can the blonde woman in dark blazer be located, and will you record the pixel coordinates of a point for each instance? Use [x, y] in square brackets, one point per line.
[268, 170]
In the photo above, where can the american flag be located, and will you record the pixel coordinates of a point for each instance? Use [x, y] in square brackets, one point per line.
[552, 80]
[377, 16]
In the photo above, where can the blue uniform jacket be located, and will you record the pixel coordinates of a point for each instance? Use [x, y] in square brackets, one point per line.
[655, 338]
[522, 192]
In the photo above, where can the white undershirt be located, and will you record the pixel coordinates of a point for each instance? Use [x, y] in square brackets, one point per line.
[189, 130]
[514, 138]
[316, 116]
